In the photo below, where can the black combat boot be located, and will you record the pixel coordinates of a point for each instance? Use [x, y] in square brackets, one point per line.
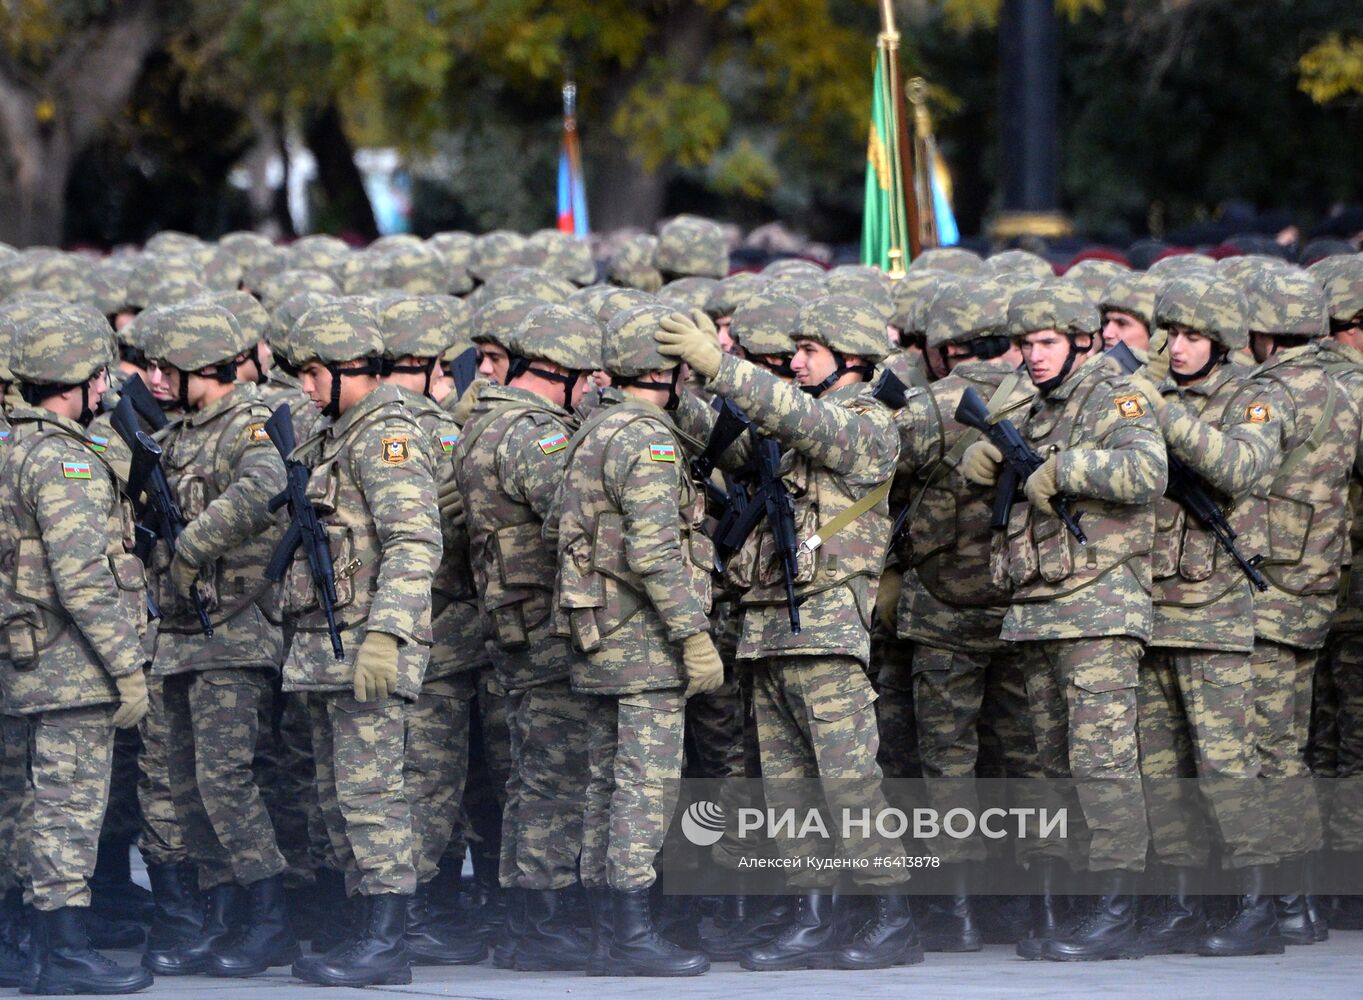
[1048, 909]
[1315, 912]
[547, 942]
[1177, 923]
[444, 892]
[13, 958]
[377, 957]
[222, 906]
[344, 914]
[809, 940]
[489, 914]
[432, 941]
[1294, 922]
[264, 939]
[513, 926]
[950, 922]
[677, 917]
[599, 909]
[179, 909]
[108, 932]
[889, 938]
[743, 923]
[37, 942]
[1109, 929]
[68, 964]
[114, 896]
[1253, 929]
[636, 949]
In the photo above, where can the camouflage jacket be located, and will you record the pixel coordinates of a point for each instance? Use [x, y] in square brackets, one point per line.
[1306, 498]
[1224, 429]
[839, 448]
[74, 597]
[1111, 459]
[280, 388]
[633, 566]
[510, 463]
[456, 626]
[949, 599]
[373, 484]
[1347, 365]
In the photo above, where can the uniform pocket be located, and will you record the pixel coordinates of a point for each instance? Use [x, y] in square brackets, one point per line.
[1054, 553]
[1197, 554]
[132, 587]
[1289, 525]
[1164, 557]
[1022, 555]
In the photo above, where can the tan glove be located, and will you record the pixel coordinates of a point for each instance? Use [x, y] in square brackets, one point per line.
[451, 503]
[980, 463]
[376, 667]
[464, 407]
[704, 668]
[1041, 485]
[1157, 365]
[183, 573]
[887, 597]
[132, 700]
[679, 336]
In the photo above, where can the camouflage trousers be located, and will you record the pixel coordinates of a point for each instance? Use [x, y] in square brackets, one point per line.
[358, 748]
[435, 766]
[1282, 722]
[13, 789]
[892, 659]
[488, 773]
[1082, 694]
[1198, 761]
[160, 838]
[816, 729]
[733, 847]
[287, 777]
[1337, 738]
[634, 763]
[542, 822]
[214, 724]
[958, 696]
[70, 758]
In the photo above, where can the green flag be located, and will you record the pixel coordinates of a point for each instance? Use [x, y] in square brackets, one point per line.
[877, 223]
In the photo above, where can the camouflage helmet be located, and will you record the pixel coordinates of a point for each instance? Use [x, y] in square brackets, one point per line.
[1134, 293]
[801, 287]
[172, 241]
[416, 269]
[532, 282]
[1054, 304]
[195, 335]
[494, 251]
[732, 292]
[109, 281]
[1174, 264]
[1327, 267]
[335, 332]
[1021, 260]
[285, 315]
[687, 293]
[457, 249]
[395, 241]
[967, 309]
[66, 275]
[864, 282]
[150, 270]
[495, 319]
[416, 326]
[632, 264]
[794, 267]
[589, 299]
[562, 255]
[15, 312]
[765, 325]
[318, 252]
[243, 244]
[912, 294]
[175, 290]
[618, 300]
[17, 271]
[1093, 275]
[250, 315]
[630, 349]
[1284, 303]
[691, 246]
[1213, 308]
[64, 345]
[260, 269]
[224, 271]
[846, 325]
[278, 287]
[953, 260]
[1344, 291]
[561, 335]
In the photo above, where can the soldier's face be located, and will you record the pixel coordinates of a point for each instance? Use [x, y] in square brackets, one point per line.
[726, 342]
[1189, 351]
[165, 381]
[1124, 328]
[812, 362]
[493, 363]
[316, 378]
[1045, 352]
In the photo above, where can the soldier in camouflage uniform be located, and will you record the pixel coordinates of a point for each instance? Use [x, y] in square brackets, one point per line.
[510, 461]
[416, 333]
[1196, 699]
[949, 607]
[1082, 613]
[373, 484]
[1307, 513]
[73, 615]
[633, 591]
[812, 699]
[690, 246]
[223, 470]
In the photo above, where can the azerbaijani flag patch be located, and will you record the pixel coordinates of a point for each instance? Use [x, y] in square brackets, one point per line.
[4, 435]
[447, 442]
[553, 443]
[76, 470]
[662, 452]
[98, 443]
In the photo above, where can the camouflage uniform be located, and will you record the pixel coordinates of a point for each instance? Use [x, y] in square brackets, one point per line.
[13, 752]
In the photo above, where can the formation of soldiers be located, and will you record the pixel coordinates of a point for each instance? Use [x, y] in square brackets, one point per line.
[323, 569]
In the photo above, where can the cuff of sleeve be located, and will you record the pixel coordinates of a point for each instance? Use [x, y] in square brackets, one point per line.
[126, 662]
[1066, 475]
[188, 548]
[395, 623]
[690, 625]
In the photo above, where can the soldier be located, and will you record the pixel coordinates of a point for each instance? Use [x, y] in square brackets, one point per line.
[690, 246]
[416, 331]
[812, 699]
[73, 616]
[1307, 498]
[633, 592]
[1196, 698]
[510, 461]
[1128, 308]
[1082, 614]
[374, 488]
[223, 470]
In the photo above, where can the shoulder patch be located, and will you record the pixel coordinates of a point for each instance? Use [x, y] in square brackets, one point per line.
[662, 452]
[395, 450]
[4, 436]
[447, 443]
[1130, 407]
[97, 443]
[76, 470]
[1258, 413]
[256, 432]
[553, 443]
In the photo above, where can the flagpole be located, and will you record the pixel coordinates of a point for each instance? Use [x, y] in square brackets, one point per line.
[906, 205]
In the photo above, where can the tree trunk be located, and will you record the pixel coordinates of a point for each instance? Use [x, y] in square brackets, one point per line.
[346, 199]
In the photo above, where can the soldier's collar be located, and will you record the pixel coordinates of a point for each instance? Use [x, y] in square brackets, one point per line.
[384, 395]
[241, 394]
[37, 414]
[1331, 346]
[512, 394]
[1096, 364]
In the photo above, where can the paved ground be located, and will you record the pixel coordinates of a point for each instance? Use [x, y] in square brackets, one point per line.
[1330, 970]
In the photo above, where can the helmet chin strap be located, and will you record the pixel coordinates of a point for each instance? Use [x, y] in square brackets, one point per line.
[388, 368]
[673, 395]
[521, 365]
[333, 407]
[1051, 383]
[1217, 356]
[865, 371]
